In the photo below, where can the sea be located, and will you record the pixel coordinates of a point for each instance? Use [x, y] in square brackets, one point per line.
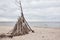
[35, 24]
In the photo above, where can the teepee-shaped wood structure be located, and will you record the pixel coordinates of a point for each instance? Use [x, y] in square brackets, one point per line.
[21, 27]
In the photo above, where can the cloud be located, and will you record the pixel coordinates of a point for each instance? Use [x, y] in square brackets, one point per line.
[7, 19]
[34, 10]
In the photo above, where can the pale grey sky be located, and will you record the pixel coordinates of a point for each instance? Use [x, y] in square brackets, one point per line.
[34, 10]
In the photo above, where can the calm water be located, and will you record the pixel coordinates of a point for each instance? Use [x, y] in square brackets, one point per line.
[35, 24]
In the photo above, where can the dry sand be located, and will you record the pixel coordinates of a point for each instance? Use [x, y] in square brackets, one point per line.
[40, 34]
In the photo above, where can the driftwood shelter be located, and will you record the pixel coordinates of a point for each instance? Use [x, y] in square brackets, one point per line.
[21, 27]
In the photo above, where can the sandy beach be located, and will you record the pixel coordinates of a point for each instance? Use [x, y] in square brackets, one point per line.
[40, 34]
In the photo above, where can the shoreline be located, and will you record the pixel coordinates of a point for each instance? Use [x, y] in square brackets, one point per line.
[34, 27]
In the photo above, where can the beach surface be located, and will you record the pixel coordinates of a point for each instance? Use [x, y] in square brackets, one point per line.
[40, 34]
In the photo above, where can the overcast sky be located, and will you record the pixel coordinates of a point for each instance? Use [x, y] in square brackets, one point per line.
[34, 10]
